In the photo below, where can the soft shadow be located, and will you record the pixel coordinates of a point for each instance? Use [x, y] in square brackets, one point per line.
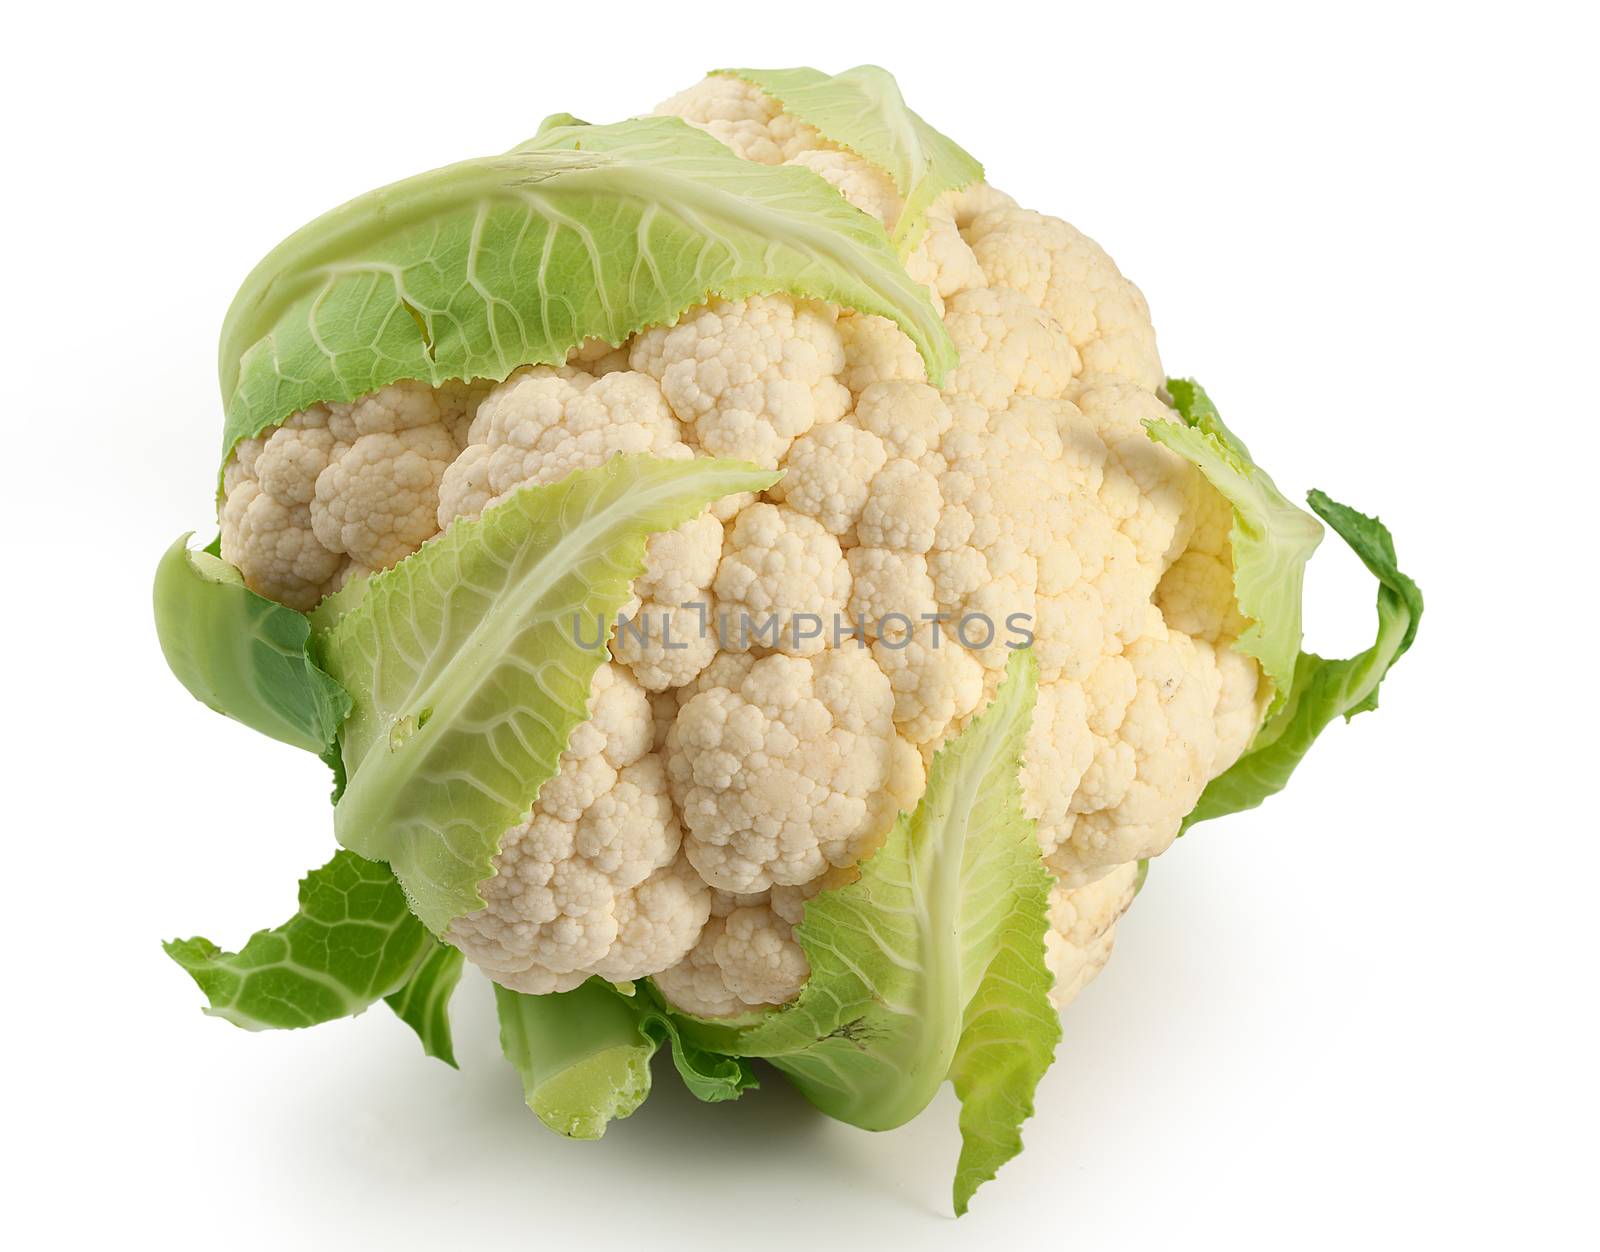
[374, 1115]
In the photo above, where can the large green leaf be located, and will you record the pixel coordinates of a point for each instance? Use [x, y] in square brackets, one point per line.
[467, 672]
[242, 654]
[1323, 689]
[863, 110]
[1272, 539]
[709, 1075]
[423, 1003]
[1009, 1031]
[352, 942]
[582, 232]
[931, 965]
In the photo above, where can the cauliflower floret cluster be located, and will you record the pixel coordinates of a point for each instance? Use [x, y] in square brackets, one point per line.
[746, 957]
[797, 659]
[342, 488]
[786, 766]
[1083, 924]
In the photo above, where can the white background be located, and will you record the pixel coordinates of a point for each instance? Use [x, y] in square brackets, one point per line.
[1361, 1015]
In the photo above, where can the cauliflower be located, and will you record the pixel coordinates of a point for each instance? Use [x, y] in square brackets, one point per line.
[824, 640]
[938, 609]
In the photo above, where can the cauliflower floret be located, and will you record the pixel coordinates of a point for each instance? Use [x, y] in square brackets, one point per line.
[1150, 491]
[680, 564]
[273, 544]
[378, 497]
[1068, 275]
[790, 767]
[744, 118]
[288, 461]
[967, 204]
[950, 261]
[748, 377]
[1009, 347]
[379, 501]
[665, 645]
[890, 593]
[936, 681]
[1196, 592]
[340, 485]
[1150, 769]
[266, 515]
[671, 636]
[1241, 702]
[542, 424]
[779, 567]
[745, 960]
[877, 351]
[1083, 926]
[827, 475]
[277, 545]
[747, 957]
[902, 508]
[588, 884]
[910, 417]
[663, 915]
[1060, 747]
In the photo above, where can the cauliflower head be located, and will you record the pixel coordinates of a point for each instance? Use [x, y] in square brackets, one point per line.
[806, 652]
[760, 596]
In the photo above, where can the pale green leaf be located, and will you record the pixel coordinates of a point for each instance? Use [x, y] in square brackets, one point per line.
[931, 964]
[709, 1075]
[1271, 539]
[352, 942]
[582, 232]
[423, 1003]
[1323, 689]
[242, 654]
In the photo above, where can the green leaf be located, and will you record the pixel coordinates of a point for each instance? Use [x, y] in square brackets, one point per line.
[930, 965]
[709, 1075]
[423, 1003]
[1008, 1034]
[352, 942]
[242, 654]
[467, 671]
[582, 232]
[1272, 539]
[1323, 689]
[863, 110]
[582, 1057]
